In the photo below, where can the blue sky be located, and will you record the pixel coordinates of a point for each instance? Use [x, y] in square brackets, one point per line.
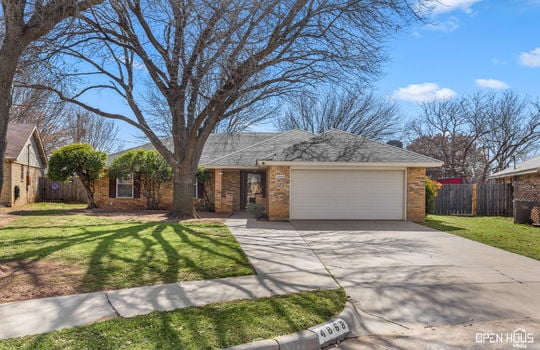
[466, 46]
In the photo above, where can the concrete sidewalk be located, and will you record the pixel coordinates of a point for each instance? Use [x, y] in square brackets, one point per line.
[279, 273]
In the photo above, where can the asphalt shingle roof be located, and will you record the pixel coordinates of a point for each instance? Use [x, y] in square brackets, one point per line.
[245, 149]
[17, 135]
[217, 145]
[527, 167]
[249, 156]
[340, 146]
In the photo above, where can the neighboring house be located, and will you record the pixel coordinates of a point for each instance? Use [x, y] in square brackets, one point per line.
[298, 175]
[525, 179]
[25, 162]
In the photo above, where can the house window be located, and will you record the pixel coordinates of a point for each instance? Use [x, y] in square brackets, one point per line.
[22, 173]
[124, 187]
[195, 188]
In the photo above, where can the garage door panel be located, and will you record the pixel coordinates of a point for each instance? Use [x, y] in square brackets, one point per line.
[345, 194]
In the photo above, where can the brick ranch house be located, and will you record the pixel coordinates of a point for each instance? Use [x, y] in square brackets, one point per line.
[525, 179]
[24, 163]
[298, 175]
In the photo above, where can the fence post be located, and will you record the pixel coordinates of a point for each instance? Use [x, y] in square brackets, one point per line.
[474, 199]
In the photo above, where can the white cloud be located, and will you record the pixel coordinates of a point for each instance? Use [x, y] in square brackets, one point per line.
[492, 84]
[497, 61]
[452, 5]
[445, 26]
[531, 58]
[423, 92]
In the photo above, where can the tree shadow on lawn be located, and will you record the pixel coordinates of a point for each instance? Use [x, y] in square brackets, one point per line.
[441, 225]
[139, 254]
[232, 245]
[165, 253]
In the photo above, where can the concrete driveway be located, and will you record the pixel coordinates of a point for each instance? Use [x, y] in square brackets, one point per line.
[406, 278]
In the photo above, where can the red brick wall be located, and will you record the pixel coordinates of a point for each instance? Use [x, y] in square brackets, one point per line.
[527, 187]
[102, 199]
[227, 191]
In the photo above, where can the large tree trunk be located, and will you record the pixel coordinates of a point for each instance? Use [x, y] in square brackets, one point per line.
[89, 187]
[8, 66]
[5, 105]
[182, 205]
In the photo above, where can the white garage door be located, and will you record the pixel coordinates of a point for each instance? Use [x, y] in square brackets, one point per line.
[347, 194]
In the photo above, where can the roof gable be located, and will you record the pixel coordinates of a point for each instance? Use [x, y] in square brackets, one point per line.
[19, 135]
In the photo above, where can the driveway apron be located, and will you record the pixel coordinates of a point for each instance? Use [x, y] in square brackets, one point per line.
[404, 276]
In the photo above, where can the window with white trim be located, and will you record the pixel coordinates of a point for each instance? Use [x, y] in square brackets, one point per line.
[124, 187]
[195, 188]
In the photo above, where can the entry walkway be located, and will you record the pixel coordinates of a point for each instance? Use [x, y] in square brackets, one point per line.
[274, 246]
[283, 261]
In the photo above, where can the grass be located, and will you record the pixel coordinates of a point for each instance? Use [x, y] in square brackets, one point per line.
[45, 208]
[495, 231]
[114, 254]
[210, 327]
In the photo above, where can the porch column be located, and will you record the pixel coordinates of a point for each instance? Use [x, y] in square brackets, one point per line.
[416, 197]
[278, 179]
[218, 190]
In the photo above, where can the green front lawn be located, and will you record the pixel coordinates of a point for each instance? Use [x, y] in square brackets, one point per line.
[51, 249]
[210, 327]
[500, 232]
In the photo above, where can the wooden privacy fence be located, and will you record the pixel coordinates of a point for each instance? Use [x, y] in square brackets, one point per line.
[69, 192]
[474, 199]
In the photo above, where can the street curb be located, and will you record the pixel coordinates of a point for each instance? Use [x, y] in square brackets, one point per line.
[308, 339]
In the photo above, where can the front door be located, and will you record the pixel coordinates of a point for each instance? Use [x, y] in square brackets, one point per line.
[252, 185]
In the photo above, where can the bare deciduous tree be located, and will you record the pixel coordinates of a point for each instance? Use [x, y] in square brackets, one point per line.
[353, 111]
[448, 130]
[210, 61]
[81, 126]
[58, 122]
[478, 135]
[510, 130]
[461, 157]
[22, 24]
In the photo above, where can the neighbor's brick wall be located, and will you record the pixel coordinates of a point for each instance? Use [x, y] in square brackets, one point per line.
[278, 192]
[227, 191]
[416, 201]
[527, 187]
[29, 192]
